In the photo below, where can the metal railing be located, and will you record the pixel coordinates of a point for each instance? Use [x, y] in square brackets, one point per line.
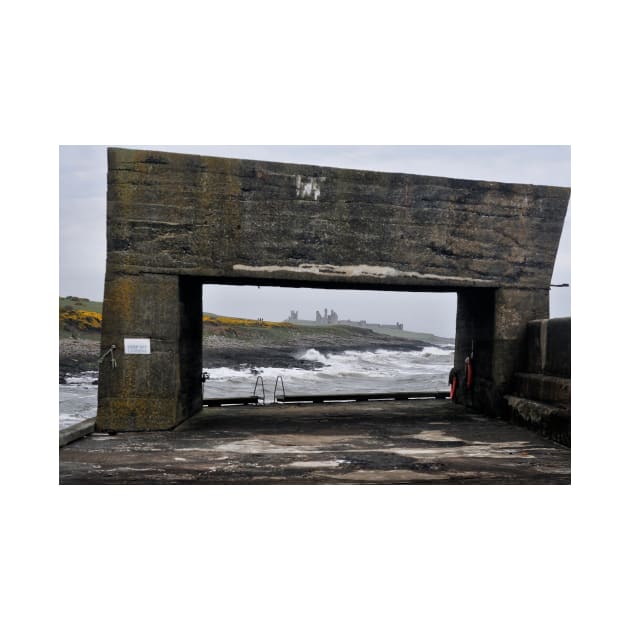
[278, 378]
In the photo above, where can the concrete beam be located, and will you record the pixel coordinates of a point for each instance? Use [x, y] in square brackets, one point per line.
[240, 219]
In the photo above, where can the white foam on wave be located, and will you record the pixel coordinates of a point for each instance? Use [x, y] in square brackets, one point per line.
[313, 355]
[348, 363]
[379, 363]
[437, 351]
[85, 378]
[224, 373]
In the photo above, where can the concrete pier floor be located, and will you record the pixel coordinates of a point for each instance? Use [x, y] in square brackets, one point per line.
[415, 441]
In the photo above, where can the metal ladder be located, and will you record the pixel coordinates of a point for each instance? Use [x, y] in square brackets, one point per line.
[262, 384]
[278, 378]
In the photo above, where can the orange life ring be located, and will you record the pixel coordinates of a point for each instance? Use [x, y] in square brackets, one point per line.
[468, 372]
[453, 387]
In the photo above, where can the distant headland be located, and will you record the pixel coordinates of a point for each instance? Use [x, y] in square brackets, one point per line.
[396, 330]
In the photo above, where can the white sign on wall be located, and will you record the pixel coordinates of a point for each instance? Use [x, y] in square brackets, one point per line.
[137, 346]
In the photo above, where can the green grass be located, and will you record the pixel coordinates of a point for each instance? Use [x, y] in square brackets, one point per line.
[80, 304]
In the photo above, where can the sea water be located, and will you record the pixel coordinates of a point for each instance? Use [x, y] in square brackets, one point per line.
[351, 371]
[77, 398]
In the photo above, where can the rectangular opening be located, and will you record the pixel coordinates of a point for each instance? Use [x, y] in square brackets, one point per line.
[297, 341]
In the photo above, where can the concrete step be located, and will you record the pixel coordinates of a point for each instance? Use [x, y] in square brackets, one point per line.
[551, 420]
[76, 431]
[551, 389]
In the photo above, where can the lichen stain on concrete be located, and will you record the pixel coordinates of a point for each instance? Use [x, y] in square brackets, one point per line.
[309, 188]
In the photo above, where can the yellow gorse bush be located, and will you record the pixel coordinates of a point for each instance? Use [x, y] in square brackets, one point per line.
[84, 320]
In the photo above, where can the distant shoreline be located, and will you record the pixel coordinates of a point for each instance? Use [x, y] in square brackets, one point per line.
[235, 354]
[390, 330]
[246, 346]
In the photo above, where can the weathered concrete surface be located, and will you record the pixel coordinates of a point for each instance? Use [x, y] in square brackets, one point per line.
[551, 420]
[541, 387]
[549, 347]
[241, 220]
[541, 394]
[410, 442]
[176, 221]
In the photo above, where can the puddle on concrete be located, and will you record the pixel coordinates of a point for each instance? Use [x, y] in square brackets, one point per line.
[317, 464]
[290, 439]
[493, 450]
[263, 446]
[435, 436]
[390, 476]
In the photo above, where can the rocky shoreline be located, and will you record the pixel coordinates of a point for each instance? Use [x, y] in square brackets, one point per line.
[251, 348]
[77, 355]
[219, 352]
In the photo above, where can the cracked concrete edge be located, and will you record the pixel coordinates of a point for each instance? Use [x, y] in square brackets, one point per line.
[76, 431]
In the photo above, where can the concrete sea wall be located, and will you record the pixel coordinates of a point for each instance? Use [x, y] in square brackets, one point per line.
[541, 392]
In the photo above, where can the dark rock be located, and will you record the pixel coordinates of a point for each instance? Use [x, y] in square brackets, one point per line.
[78, 355]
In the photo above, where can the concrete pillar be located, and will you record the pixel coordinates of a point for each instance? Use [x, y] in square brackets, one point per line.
[160, 389]
[512, 310]
[492, 324]
[474, 337]
[190, 350]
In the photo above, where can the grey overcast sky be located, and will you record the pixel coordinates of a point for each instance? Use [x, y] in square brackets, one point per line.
[82, 203]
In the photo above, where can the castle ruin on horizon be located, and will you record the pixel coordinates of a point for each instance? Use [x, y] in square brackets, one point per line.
[332, 318]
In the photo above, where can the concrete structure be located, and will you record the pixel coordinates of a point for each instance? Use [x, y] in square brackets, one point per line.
[76, 431]
[175, 222]
[541, 395]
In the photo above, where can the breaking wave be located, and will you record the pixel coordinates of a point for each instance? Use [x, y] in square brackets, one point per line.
[350, 371]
